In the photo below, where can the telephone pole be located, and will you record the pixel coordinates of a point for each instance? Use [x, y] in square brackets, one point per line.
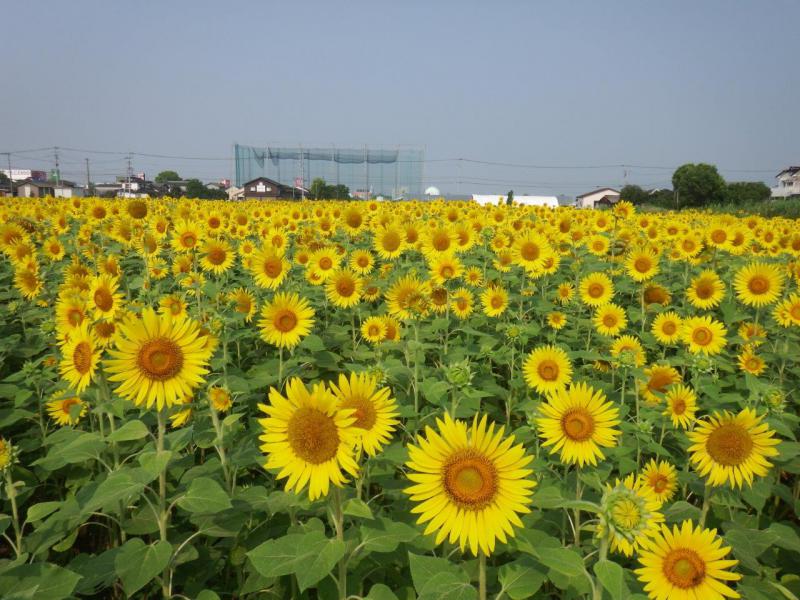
[88, 180]
[58, 172]
[10, 178]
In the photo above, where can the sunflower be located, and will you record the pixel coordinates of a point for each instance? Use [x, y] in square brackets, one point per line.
[244, 303]
[462, 303]
[661, 478]
[104, 299]
[495, 301]
[576, 422]
[750, 362]
[308, 438]
[667, 328]
[470, 483]
[642, 264]
[180, 418]
[220, 399]
[285, 320]
[732, 448]
[565, 292]
[269, 268]
[598, 245]
[158, 359]
[393, 328]
[373, 329]
[628, 350]
[389, 242]
[609, 319]
[753, 333]
[28, 282]
[547, 369]
[787, 312]
[105, 332]
[706, 290]
[758, 284]
[473, 276]
[656, 294]
[445, 267]
[362, 261]
[530, 251]
[681, 405]
[343, 288]
[407, 297]
[596, 289]
[186, 236]
[686, 563]
[6, 454]
[704, 335]
[375, 411]
[556, 320]
[217, 256]
[659, 379]
[173, 306]
[629, 514]
[79, 357]
[66, 409]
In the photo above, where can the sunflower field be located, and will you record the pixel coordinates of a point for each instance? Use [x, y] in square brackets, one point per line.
[345, 400]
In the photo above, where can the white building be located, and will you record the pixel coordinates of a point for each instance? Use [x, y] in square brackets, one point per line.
[788, 183]
[603, 197]
[484, 199]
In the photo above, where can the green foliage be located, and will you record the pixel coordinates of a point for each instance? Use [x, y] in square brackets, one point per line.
[698, 185]
[320, 190]
[634, 194]
[166, 176]
[747, 194]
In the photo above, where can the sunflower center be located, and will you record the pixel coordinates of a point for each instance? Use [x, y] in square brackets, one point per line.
[441, 241]
[363, 262]
[391, 241]
[325, 263]
[214, 223]
[216, 256]
[312, 435]
[470, 479]
[659, 381]
[548, 370]
[609, 320]
[659, 483]
[704, 290]
[758, 284]
[702, 336]
[67, 404]
[285, 321]
[243, 305]
[626, 514]
[679, 406]
[272, 267]
[684, 568]
[461, 303]
[497, 302]
[578, 424]
[105, 329]
[364, 414]
[595, 290]
[160, 359]
[82, 357]
[729, 444]
[719, 236]
[529, 251]
[447, 272]
[642, 264]
[345, 287]
[188, 240]
[75, 316]
[794, 311]
[103, 299]
[753, 363]
[669, 327]
[374, 330]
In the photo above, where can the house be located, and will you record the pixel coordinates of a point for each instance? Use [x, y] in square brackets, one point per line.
[136, 187]
[107, 190]
[604, 197]
[263, 188]
[484, 199]
[30, 188]
[788, 183]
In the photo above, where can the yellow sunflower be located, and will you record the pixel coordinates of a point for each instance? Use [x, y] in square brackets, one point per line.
[462, 303]
[659, 378]
[173, 306]
[576, 422]
[217, 256]
[389, 242]
[66, 409]
[609, 319]
[732, 448]
[158, 359]
[186, 236]
[642, 264]
[79, 357]
[308, 438]
[629, 350]
[750, 362]
[362, 261]
[629, 514]
[495, 301]
[758, 284]
[667, 328]
[596, 289]
[547, 368]
[343, 288]
[407, 297]
[104, 299]
[706, 290]
[681, 405]
[556, 320]
[444, 267]
[244, 303]
[686, 563]
[373, 329]
[220, 399]
[269, 268]
[661, 478]
[470, 483]
[704, 335]
[285, 320]
[374, 410]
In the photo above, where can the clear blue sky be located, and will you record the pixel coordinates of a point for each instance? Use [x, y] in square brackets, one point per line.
[548, 83]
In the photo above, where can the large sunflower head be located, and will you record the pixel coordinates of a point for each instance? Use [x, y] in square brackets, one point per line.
[80, 356]
[609, 319]
[576, 422]
[704, 335]
[470, 483]
[158, 359]
[642, 264]
[217, 256]
[286, 320]
[343, 288]
[667, 327]
[596, 289]
[374, 409]
[547, 368]
[104, 299]
[308, 438]
[758, 284]
[732, 448]
[494, 300]
[629, 514]
[269, 268]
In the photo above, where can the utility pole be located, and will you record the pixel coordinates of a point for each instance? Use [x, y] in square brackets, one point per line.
[88, 180]
[10, 178]
[128, 187]
[58, 172]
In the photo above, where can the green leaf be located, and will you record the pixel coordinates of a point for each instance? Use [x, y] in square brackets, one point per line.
[205, 496]
[521, 579]
[787, 536]
[38, 581]
[564, 561]
[436, 578]
[39, 511]
[311, 556]
[137, 564]
[117, 486]
[154, 462]
[207, 595]
[79, 449]
[611, 575]
[385, 535]
[357, 508]
[380, 591]
[132, 430]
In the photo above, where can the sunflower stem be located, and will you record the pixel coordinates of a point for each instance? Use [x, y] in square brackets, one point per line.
[220, 447]
[162, 498]
[11, 492]
[280, 368]
[706, 504]
[481, 575]
[578, 494]
[338, 525]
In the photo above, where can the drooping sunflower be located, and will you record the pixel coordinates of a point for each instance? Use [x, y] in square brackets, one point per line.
[732, 448]
[706, 290]
[80, 356]
[667, 328]
[704, 335]
[686, 563]
[629, 514]
[220, 399]
[659, 379]
[286, 320]
[375, 411]
[373, 329]
[547, 369]
[577, 421]
[758, 284]
[308, 439]
[661, 478]
[596, 289]
[269, 268]
[750, 362]
[217, 256]
[158, 359]
[494, 300]
[66, 408]
[681, 405]
[343, 288]
[470, 483]
[609, 319]
[244, 303]
[642, 264]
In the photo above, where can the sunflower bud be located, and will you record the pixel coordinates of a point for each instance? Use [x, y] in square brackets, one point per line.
[459, 374]
[628, 515]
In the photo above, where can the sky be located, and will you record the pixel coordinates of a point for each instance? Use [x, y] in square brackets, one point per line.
[580, 87]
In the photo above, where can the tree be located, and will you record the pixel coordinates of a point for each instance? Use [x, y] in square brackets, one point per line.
[510, 198]
[745, 193]
[166, 176]
[195, 189]
[317, 189]
[633, 194]
[698, 185]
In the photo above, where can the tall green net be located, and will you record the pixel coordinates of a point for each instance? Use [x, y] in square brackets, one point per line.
[390, 172]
